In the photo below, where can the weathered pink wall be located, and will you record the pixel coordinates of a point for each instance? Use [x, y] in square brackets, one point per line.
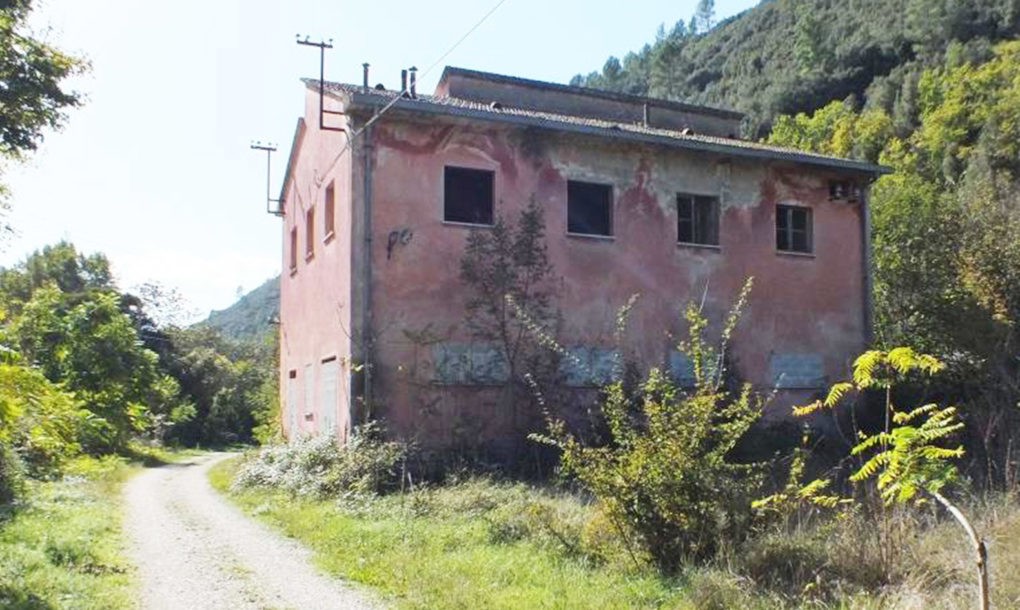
[315, 299]
[800, 304]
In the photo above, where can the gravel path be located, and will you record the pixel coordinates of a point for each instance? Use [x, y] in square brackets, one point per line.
[194, 551]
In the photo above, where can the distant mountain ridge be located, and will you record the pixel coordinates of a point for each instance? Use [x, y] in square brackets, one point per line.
[252, 316]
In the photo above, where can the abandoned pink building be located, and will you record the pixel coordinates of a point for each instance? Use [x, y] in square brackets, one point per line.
[640, 196]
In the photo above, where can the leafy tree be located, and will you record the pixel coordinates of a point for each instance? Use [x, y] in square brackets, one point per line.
[509, 277]
[33, 73]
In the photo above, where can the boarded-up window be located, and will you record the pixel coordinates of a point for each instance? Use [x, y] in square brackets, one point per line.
[292, 404]
[328, 399]
[697, 220]
[469, 364]
[589, 208]
[793, 229]
[329, 211]
[584, 366]
[293, 249]
[310, 232]
[468, 195]
[797, 371]
[309, 392]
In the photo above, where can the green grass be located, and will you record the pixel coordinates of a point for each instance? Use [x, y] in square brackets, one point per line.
[61, 546]
[476, 544]
[481, 544]
[435, 549]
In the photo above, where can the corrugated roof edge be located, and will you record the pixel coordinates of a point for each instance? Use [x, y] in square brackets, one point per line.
[376, 99]
[609, 95]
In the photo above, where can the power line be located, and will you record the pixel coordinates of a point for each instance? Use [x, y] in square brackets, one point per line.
[387, 107]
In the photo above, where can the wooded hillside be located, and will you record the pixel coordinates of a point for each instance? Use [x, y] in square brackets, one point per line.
[790, 56]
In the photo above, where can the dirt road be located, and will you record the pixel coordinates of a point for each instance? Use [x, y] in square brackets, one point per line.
[194, 551]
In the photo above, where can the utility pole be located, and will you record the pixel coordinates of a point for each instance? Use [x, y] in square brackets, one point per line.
[322, 46]
[270, 149]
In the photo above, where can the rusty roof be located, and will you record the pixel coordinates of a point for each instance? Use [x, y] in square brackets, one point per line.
[376, 99]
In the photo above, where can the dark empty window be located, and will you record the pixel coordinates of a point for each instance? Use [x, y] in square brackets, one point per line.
[793, 229]
[589, 208]
[697, 220]
[467, 195]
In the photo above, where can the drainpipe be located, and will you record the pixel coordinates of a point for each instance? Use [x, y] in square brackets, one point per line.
[869, 321]
[366, 276]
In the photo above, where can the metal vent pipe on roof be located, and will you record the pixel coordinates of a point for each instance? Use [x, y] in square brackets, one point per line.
[403, 82]
[364, 77]
[414, 82]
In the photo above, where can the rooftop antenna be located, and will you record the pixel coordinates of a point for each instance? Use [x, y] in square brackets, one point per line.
[270, 149]
[322, 45]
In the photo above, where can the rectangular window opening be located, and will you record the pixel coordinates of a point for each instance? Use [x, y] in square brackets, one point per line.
[697, 219]
[293, 249]
[310, 233]
[468, 195]
[793, 229]
[329, 211]
[589, 208]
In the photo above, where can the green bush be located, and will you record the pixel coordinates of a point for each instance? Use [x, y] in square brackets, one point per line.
[667, 477]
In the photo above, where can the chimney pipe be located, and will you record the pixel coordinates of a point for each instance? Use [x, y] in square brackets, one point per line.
[403, 82]
[364, 82]
[645, 118]
[414, 82]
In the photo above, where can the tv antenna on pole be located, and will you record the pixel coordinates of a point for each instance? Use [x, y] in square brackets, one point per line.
[322, 46]
[270, 149]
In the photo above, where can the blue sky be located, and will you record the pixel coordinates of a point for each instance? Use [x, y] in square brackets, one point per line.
[155, 169]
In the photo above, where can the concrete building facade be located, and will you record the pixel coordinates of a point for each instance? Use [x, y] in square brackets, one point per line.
[640, 196]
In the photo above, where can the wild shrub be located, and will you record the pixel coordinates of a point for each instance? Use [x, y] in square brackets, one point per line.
[318, 466]
[667, 477]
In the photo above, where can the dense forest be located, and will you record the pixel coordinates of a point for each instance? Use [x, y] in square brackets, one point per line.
[791, 56]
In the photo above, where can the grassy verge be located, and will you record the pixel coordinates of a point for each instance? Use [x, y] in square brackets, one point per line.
[476, 544]
[61, 547]
[480, 544]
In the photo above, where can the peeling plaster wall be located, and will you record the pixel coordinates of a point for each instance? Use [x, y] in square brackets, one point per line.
[799, 305]
[316, 298]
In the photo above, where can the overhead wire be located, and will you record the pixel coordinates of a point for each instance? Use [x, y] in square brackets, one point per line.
[378, 115]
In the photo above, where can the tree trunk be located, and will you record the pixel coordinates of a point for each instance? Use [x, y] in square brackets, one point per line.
[980, 550]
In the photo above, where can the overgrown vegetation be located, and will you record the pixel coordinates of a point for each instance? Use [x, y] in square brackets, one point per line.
[947, 234]
[62, 547]
[316, 466]
[666, 474]
[85, 369]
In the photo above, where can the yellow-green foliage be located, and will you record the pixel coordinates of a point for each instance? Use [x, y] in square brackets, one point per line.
[39, 420]
[907, 457]
[666, 477]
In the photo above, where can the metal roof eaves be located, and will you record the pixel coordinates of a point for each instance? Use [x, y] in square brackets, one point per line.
[419, 105]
